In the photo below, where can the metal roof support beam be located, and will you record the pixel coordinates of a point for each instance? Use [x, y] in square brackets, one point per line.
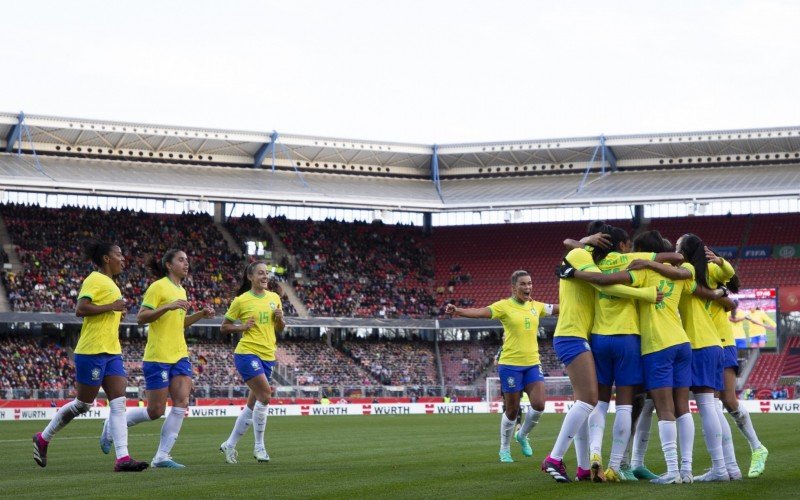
[435, 171]
[15, 134]
[264, 150]
[608, 155]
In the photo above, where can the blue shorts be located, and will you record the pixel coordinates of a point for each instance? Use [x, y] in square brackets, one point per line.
[250, 365]
[707, 367]
[758, 339]
[670, 367]
[158, 375]
[618, 359]
[569, 348]
[741, 343]
[731, 358]
[515, 378]
[91, 369]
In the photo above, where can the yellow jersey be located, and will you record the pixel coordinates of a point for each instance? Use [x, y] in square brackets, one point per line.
[616, 315]
[100, 333]
[260, 338]
[763, 318]
[695, 319]
[738, 327]
[520, 330]
[717, 276]
[165, 338]
[576, 299]
[660, 323]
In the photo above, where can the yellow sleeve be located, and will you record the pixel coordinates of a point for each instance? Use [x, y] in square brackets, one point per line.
[88, 289]
[722, 274]
[234, 311]
[638, 277]
[690, 267]
[581, 260]
[647, 294]
[152, 296]
[766, 319]
[498, 310]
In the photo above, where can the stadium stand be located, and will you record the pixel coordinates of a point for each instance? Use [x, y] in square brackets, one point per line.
[34, 364]
[395, 363]
[316, 363]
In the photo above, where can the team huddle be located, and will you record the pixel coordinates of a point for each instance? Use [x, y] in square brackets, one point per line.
[648, 322]
[255, 312]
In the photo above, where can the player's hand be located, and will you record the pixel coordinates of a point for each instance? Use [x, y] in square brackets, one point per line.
[450, 309]
[248, 324]
[659, 296]
[598, 240]
[119, 306]
[565, 271]
[638, 264]
[178, 304]
[712, 257]
[278, 314]
[208, 312]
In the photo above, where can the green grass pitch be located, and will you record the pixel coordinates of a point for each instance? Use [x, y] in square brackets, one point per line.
[429, 456]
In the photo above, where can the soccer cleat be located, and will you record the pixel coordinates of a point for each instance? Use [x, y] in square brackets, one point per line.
[735, 473]
[231, 455]
[596, 469]
[261, 455]
[130, 465]
[40, 449]
[505, 457]
[686, 477]
[642, 472]
[627, 473]
[614, 476]
[556, 469]
[583, 475]
[758, 462]
[167, 463]
[712, 476]
[525, 443]
[668, 478]
[105, 440]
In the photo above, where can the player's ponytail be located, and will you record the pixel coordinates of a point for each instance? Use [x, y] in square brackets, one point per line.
[95, 250]
[694, 252]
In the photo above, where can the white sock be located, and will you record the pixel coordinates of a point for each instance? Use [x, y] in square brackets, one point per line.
[582, 445]
[626, 455]
[531, 419]
[743, 422]
[118, 427]
[64, 416]
[685, 424]
[668, 432]
[506, 431]
[570, 429]
[243, 421]
[642, 436]
[621, 434]
[727, 439]
[597, 426]
[259, 423]
[169, 432]
[137, 416]
[712, 433]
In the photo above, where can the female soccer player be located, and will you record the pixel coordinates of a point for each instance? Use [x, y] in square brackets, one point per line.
[98, 356]
[166, 364]
[260, 316]
[707, 355]
[737, 319]
[759, 324]
[571, 343]
[519, 367]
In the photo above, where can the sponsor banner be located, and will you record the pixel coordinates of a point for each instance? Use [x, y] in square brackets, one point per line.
[11, 414]
[727, 252]
[789, 297]
[757, 252]
[786, 251]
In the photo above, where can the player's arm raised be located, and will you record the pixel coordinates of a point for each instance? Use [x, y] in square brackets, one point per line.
[475, 313]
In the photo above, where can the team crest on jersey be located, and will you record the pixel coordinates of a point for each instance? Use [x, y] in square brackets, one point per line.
[510, 381]
[164, 375]
[95, 373]
[255, 364]
[273, 305]
[533, 311]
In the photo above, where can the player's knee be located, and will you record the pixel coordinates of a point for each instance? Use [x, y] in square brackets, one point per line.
[156, 411]
[181, 402]
[537, 406]
[82, 407]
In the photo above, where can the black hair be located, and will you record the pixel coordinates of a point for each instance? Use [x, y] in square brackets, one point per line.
[596, 226]
[650, 241]
[248, 269]
[95, 250]
[618, 235]
[159, 267]
[694, 252]
[516, 275]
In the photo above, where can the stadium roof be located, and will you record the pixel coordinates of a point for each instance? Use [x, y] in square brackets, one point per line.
[133, 159]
